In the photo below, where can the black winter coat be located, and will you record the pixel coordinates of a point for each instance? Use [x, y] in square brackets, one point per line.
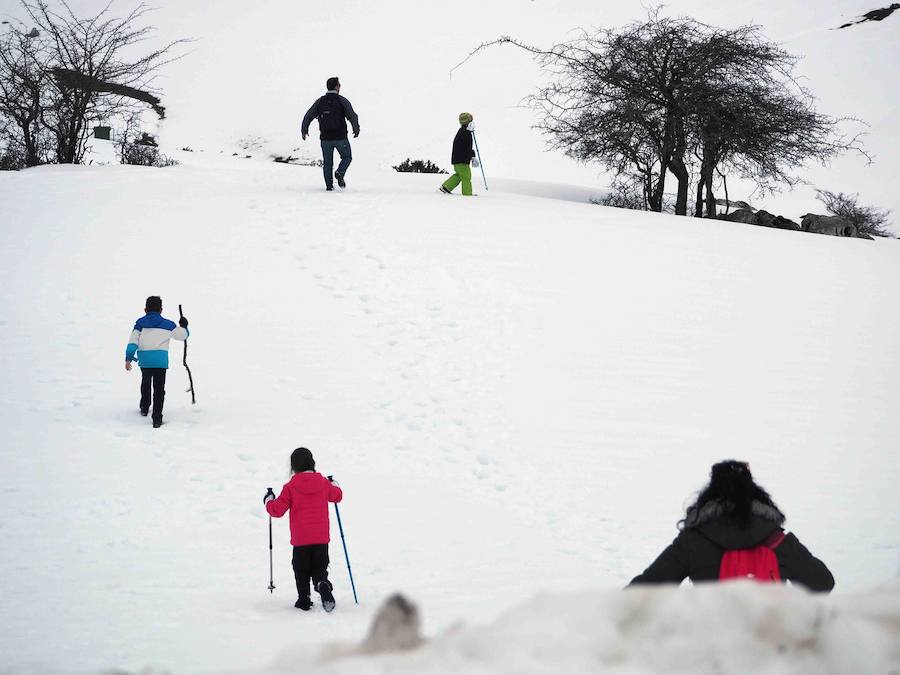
[697, 550]
[335, 101]
[462, 147]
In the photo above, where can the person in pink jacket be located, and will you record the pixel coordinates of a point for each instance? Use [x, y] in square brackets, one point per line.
[307, 495]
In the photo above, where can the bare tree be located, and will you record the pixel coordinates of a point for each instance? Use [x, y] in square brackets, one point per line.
[868, 219]
[755, 119]
[93, 76]
[661, 95]
[23, 64]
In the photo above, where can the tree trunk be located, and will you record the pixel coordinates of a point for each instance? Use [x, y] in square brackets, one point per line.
[698, 202]
[656, 196]
[725, 186]
[680, 170]
[710, 197]
[30, 142]
[677, 165]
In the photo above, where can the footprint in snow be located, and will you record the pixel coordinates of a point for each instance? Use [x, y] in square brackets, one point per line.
[244, 457]
[122, 434]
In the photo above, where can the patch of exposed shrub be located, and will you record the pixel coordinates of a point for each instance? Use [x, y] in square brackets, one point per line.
[145, 155]
[868, 220]
[418, 166]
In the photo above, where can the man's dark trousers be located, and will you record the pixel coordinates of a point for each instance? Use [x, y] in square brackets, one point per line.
[328, 148]
[310, 561]
[156, 376]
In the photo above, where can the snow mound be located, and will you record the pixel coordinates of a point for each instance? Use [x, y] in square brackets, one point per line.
[732, 628]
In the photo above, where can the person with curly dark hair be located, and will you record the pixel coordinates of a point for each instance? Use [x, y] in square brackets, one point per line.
[734, 529]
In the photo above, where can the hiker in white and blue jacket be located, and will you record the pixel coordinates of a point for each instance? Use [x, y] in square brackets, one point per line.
[149, 346]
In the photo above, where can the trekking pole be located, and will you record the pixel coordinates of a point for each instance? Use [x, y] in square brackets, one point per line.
[271, 580]
[184, 361]
[480, 163]
[344, 542]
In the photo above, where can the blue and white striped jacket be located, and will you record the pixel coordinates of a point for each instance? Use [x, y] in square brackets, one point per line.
[150, 340]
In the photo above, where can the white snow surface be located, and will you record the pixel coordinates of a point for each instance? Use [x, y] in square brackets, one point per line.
[518, 395]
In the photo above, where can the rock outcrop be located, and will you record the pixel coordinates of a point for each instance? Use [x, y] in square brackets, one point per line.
[762, 218]
[832, 225]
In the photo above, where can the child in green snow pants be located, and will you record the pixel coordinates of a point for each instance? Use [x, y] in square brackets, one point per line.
[462, 173]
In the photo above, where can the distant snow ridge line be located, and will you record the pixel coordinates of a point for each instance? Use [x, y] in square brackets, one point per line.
[732, 628]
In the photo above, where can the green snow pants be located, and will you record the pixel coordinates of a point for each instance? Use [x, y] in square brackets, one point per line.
[462, 173]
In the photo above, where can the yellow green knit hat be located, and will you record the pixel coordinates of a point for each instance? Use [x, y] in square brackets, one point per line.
[465, 118]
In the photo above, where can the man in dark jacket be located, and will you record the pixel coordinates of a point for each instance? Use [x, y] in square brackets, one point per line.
[713, 526]
[461, 156]
[332, 111]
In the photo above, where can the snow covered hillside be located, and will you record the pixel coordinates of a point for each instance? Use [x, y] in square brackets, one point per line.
[395, 66]
[517, 393]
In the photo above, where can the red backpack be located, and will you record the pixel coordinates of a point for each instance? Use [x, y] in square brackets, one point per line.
[758, 563]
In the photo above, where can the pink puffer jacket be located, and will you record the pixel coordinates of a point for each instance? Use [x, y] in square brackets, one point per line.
[307, 495]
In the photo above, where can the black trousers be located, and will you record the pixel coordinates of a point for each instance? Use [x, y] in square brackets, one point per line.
[310, 562]
[156, 376]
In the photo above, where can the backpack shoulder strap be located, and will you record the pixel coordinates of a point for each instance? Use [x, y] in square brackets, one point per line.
[774, 539]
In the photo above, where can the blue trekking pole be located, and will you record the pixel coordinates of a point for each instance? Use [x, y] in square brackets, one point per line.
[480, 163]
[344, 542]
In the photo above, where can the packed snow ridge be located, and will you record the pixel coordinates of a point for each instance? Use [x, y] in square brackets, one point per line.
[733, 628]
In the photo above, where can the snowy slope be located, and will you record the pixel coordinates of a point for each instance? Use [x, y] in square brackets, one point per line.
[254, 70]
[516, 393]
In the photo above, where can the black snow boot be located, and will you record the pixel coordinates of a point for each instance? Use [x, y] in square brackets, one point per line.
[340, 179]
[144, 413]
[324, 588]
[304, 603]
[157, 424]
